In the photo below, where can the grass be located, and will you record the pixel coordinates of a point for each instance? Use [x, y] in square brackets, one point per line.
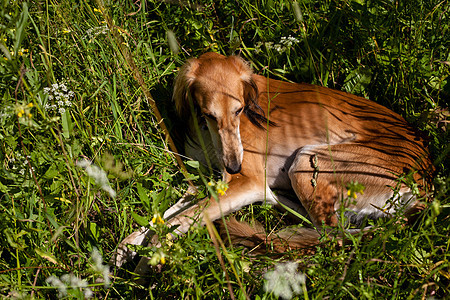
[54, 216]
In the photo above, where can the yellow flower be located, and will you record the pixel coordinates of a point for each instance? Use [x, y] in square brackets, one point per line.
[160, 220]
[220, 187]
[29, 116]
[20, 114]
[97, 10]
[22, 52]
[352, 194]
[30, 105]
[157, 219]
[163, 260]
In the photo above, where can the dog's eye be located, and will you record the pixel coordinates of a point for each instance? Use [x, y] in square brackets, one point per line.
[209, 116]
[239, 111]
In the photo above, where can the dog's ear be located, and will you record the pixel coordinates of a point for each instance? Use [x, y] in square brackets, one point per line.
[250, 88]
[182, 88]
[251, 94]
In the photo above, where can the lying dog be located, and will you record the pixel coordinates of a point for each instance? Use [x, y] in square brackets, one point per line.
[267, 135]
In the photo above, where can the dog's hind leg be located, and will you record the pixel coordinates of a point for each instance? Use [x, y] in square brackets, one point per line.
[320, 174]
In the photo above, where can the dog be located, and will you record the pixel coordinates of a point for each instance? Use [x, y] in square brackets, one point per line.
[266, 135]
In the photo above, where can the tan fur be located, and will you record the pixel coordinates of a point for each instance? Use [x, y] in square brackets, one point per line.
[316, 142]
[258, 241]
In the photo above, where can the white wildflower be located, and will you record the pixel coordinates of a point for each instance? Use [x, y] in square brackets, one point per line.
[55, 282]
[284, 281]
[4, 114]
[69, 281]
[19, 164]
[95, 31]
[282, 46]
[288, 41]
[99, 267]
[279, 48]
[62, 95]
[99, 176]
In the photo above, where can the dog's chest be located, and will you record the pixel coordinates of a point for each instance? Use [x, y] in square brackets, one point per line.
[277, 168]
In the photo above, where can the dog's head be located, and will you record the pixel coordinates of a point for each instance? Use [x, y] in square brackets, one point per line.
[220, 88]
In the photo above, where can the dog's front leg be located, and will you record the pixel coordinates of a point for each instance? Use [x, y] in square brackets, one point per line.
[241, 191]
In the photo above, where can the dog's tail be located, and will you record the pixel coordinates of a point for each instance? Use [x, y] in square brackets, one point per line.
[255, 238]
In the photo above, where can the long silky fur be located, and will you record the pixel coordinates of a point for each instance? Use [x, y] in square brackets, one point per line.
[258, 241]
[183, 83]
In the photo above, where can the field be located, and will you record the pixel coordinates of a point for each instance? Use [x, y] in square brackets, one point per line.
[89, 81]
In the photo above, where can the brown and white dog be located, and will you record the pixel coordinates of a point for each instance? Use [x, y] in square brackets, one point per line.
[266, 135]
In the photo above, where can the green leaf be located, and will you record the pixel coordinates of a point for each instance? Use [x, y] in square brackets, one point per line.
[143, 195]
[94, 230]
[158, 197]
[52, 172]
[13, 239]
[51, 218]
[48, 256]
[3, 188]
[20, 27]
[66, 124]
[357, 81]
[193, 163]
[142, 221]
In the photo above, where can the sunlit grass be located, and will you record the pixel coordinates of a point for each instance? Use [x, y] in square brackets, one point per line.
[55, 214]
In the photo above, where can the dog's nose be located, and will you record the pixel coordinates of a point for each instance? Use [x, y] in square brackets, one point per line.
[233, 169]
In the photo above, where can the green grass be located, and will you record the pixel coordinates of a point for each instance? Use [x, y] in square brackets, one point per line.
[53, 215]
